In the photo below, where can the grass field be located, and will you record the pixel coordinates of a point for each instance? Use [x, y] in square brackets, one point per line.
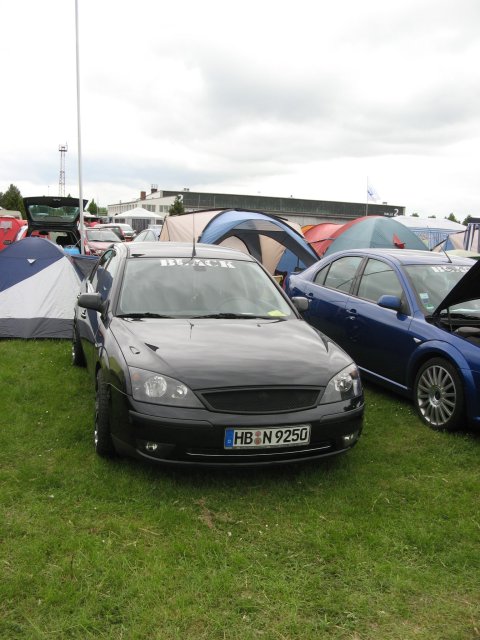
[380, 544]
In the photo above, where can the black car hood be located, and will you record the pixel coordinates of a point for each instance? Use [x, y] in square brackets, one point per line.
[468, 288]
[212, 353]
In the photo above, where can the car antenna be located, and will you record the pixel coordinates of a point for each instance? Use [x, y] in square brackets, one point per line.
[194, 252]
[446, 254]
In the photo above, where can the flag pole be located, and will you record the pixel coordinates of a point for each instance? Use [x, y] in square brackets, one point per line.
[366, 205]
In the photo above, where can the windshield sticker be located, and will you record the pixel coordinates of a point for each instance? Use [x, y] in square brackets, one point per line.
[424, 297]
[276, 312]
[196, 262]
[451, 268]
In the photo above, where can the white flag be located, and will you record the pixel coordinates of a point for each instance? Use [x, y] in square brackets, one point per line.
[372, 195]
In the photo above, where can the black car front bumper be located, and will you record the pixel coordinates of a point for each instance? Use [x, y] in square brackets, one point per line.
[196, 437]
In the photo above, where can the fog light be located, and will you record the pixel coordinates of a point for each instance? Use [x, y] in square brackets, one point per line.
[350, 438]
[151, 446]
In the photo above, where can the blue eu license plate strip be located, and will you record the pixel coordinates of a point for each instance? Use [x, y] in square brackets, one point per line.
[267, 437]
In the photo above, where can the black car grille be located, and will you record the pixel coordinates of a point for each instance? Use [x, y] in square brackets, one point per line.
[261, 400]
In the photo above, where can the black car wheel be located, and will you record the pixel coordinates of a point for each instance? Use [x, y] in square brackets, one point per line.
[102, 436]
[78, 357]
[439, 395]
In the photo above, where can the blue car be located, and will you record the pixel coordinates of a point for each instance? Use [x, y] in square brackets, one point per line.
[409, 319]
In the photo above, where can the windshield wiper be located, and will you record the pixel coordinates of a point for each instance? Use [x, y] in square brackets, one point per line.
[145, 314]
[242, 316]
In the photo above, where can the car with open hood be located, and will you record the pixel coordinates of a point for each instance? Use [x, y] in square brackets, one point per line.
[199, 357]
[54, 217]
[409, 319]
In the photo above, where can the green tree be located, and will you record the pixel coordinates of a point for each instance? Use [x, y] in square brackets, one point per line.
[415, 215]
[177, 207]
[452, 218]
[92, 207]
[12, 200]
[467, 220]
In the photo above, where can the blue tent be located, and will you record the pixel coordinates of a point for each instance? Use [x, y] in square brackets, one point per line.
[273, 241]
[38, 290]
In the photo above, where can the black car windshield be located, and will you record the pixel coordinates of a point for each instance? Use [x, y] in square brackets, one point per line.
[197, 287]
[433, 282]
[104, 235]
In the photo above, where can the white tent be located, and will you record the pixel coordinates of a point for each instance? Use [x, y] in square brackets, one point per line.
[138, 212]
[430, 230]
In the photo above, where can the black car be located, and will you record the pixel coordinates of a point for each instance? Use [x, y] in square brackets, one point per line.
[199, 357]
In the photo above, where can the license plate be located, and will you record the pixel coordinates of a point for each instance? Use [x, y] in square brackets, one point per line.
[268, 437]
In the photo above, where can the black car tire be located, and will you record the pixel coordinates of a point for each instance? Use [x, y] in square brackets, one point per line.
[438, 395]
[102, 436]
[78, 357]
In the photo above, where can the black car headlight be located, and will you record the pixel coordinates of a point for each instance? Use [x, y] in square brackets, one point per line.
[343, 386]
[148, 386]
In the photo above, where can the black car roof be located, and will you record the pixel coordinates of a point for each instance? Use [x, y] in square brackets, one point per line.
[184, 250]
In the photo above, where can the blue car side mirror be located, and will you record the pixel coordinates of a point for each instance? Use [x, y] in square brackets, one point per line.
[390, 302]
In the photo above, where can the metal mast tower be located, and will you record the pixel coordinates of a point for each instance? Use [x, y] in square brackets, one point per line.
[63, 148]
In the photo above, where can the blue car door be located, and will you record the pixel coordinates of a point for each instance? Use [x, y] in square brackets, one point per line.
[379, 339]
[328, 294]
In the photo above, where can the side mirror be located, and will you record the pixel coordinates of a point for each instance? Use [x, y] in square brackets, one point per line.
[390, 302]
[300, 303]
[91, 301]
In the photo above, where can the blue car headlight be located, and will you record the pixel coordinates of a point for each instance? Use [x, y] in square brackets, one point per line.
[343, 386]
[157, 388]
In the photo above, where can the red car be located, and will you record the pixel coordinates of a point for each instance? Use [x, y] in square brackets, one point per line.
[11, 230]
[97, 240]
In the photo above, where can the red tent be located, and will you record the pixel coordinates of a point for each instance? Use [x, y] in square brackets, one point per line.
[320, 236]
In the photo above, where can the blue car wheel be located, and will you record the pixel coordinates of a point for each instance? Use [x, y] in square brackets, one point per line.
[439, 395]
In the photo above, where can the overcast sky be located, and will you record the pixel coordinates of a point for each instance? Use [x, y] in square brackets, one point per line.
[305, 98]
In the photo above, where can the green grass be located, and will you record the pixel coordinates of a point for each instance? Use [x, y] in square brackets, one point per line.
[380, 544]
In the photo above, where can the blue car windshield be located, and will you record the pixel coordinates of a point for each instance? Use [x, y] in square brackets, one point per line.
[197, 287]
[433, 282]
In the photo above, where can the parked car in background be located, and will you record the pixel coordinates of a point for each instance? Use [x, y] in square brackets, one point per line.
[115, 228]
[198, 357]
[125, 231]
[11, 229]
[148, 235]
[54, 217]
[409, 319]
[97, 240]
